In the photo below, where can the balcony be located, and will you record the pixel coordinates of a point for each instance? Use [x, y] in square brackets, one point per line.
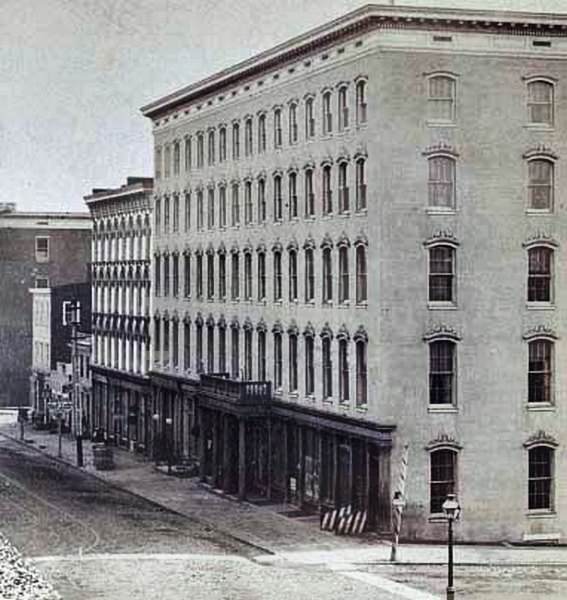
[243, 393]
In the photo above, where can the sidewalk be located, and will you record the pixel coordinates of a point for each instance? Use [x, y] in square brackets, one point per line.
[298, 540]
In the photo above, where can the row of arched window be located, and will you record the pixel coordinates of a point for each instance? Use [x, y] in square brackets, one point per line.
[290, 195]
[251, 352]
[218, 275]
[253, 136]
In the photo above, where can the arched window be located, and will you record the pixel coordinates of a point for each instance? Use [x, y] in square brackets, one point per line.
[200, 150]
[540, 478]
[277, 127]
[292, 340]
[210, 275]
[187, 152]
[261, 276]
[222, 206]
[222, 277]
[176, 157]
[344, 204]
[327, 366]
[441, 100]
[309, 275]
[210, 348]
[309, 364]
[235, 141]
[211, 148]
[344, 275]
[441, 274]
[158, 163]
[261, 355]
[441, 181]
[361, 275]
[261, 200]
[235, 276]
[540, 274]
[278, 361]
[361, 184]
[293, 293]
[235, 353]
[199, 209]
[165, 342]
[187, 216]
[540, 371]
[292, 185]
[327, 275]
[248, 353]
[186, 345]
[167, 161]
[222, 348]
[248, 275]
[361, 373]
[235, 204]
[262, 133]
[361, 101]
[222, 144]
[248, 137]
[443, 477]
[187, 275]
[157, 340]
[277, 276]
[540, 102]
[248, 210]
[309, 194]
[278, 212]
[442, 372]
[343, 107]
[344, 370]
[309, 118]
[211, 208]
[293, 123]
[166, 274]
[540, 184]
[327, 113]
[199, 274]
[327, 190]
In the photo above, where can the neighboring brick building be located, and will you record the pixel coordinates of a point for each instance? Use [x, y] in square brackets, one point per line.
[36, 250]
[122, 403]
[371, 218]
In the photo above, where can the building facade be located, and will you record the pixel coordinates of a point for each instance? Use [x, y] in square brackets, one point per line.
[359, 239]
[37, 250]
[121, 398]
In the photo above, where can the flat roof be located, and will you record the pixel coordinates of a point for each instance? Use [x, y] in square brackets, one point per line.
[133, 185]
[355, 22]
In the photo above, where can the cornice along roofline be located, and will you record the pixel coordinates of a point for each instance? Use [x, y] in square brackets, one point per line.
[371, 16]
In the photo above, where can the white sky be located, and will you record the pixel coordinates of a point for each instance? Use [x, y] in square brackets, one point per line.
[74, 73]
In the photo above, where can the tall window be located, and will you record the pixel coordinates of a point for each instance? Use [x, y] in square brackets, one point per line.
[443, 477]
[261, 200]
[188, 157]
[248, 275]
[343, 187]
[343, 108]
[211, 208]
[187, 211]
[278, 361]
[235, 276]
[540, 269]
[248, 202]
[327, 114]
[309, 365]
[248, 354]
[277, 276]
[248, 137]
[292, 184]
[309, 275]
[261, 355]
[235, 141]
[235, 205]
[293, 275]
[211, 148]
[292, 362]
[176, 157]
[157, 274]
[344, 372]
[262, 133]
[540, 184]
[361, 275]
[292, 123]
[222, 144]
[309, 118]
[278, 198]
[442, 372]
[175, 288]
[210, 275]
[540, 478]
[327, 191]
[42, 248]
[361, 374]
[157, 339]
[344, 275]
[442, 274]
[199, 347]
[186, 346]
[235, 353]
[187, 275]
[540, 371]
[222, 206]
[210, 348]
[199, 275]
[309, 195]
[361, 101]
[166, 275]
[158, 164]
[175, 343]
[327, 260]
[222, 349]
[157, 215]
[261, 276]
[176, 213]
[277, 128]
[540, 102]
[442, 182]
[441, 100]
[167, 161]
[222, 276]
[360, 169]
[200, 150]
[166, 343]
[327, 364]
[199, 210]
[166, 214]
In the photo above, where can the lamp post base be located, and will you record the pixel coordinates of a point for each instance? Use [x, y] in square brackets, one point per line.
[450, 593]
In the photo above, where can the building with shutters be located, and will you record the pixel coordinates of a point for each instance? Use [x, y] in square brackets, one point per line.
[358, 245]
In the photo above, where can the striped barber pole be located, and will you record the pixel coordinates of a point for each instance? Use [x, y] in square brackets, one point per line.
[399, 501]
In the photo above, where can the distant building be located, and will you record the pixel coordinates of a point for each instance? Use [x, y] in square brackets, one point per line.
[51, 343]
[371, 219]
[122, 398]
[37, 250]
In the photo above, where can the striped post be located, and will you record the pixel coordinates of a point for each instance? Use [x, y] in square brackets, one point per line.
[399, 502]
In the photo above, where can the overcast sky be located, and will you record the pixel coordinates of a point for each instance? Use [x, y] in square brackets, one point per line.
[74, 73]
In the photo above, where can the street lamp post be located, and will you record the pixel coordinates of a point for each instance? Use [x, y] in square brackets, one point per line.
[452, 511]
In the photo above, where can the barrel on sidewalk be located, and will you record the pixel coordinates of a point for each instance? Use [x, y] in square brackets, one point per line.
[103, 457]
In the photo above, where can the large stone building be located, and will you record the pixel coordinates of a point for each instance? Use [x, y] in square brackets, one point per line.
[37, 250]
[122, 404]
[359, 237]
